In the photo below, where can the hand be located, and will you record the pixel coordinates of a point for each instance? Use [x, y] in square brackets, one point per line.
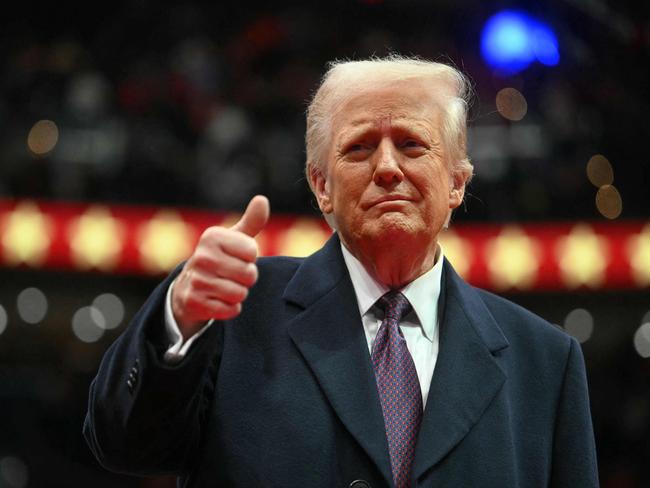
[216, 278]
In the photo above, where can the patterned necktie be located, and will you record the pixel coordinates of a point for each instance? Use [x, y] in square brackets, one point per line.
[399, 388]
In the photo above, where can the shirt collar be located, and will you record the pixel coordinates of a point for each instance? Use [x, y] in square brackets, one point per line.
[422, 293]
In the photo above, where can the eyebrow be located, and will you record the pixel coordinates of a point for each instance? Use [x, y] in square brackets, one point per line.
[368, 126]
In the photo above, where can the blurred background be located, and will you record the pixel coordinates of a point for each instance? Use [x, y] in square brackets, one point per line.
[129, 127]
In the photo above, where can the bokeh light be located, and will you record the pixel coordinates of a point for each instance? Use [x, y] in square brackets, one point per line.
[599, 171]
[608, 202]
[3, 319]
[43, 137]
[96, 239]
[642, 340]
[580, 324]
[27, 235]
[111, 308]
[88, 324]
[511, 104]
[13, 472]
[511, 40]
[544, 43]
[583, 257]
[32, 305]
[164, 241]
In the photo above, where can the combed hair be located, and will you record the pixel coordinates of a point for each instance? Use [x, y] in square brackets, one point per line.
[346, 79]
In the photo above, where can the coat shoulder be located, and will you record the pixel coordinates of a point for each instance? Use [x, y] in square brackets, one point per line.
[276, 268]
[274, 273]
[520, 324]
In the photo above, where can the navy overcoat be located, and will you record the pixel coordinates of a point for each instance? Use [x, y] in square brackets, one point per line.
[285, 396]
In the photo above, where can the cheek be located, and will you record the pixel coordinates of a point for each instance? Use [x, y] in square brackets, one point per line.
[434, 190]
[433, 178]
[348, 184]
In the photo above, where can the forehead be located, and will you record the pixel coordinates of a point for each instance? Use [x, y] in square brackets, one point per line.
[394, 103]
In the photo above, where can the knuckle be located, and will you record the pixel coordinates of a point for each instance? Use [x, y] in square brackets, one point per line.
[252, 273]
[201, 258]
[233, 293]
[243, 293]
[249, 247]
[239, 293]
[205, 235]
[225, 311]
[193, 282]
[212, 233]
[211, 239]
[185, 295]
[216, 261]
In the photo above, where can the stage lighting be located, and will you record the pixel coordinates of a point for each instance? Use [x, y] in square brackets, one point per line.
[511, 40]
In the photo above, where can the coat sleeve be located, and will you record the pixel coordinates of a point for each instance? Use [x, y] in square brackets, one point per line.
[145, 416]
[574, 449]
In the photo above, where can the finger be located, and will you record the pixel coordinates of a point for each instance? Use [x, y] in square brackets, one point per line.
[219, 288]
[255, 217]
[212, 308]
[224, 311]
[219, 239]
[238, 245]
[223, 265]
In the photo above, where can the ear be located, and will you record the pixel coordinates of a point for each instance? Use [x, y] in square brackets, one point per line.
[321, 189]
[456, 189]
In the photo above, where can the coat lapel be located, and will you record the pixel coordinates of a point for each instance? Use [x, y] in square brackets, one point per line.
[330, 336]
[466, 377]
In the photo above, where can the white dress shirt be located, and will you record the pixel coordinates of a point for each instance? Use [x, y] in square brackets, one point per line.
[419, 327]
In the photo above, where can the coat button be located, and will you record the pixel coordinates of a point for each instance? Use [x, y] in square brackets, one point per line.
[360, 484]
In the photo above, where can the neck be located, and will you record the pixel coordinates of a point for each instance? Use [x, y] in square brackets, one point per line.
[396, 264]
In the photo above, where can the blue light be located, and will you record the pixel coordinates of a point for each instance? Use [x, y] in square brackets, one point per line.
[545, 45]
[512, 40]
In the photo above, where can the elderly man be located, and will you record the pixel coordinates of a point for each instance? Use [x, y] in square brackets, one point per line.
[367, 364]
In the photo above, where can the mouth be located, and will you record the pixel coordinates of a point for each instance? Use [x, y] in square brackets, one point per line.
[389, 200]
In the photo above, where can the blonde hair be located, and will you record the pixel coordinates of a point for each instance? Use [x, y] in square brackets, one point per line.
[346, 79]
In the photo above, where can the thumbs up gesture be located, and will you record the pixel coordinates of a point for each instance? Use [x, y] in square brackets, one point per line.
[216, 278]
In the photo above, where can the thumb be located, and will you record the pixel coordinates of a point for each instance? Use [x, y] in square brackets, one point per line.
[255, 217]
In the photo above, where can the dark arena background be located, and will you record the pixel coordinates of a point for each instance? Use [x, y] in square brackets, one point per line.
[129, 127]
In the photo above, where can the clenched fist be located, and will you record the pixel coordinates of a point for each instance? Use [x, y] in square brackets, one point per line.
[216, 278]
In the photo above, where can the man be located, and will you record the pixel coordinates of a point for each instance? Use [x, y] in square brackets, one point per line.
[369, 363]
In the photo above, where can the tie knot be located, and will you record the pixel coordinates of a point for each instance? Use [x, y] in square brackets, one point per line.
[394, 304]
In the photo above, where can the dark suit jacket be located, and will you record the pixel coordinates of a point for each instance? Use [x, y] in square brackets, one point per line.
[285, 395]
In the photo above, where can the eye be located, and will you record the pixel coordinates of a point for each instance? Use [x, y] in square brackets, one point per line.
[411, 143]
[412, 147]
[357, 151]
[355, 148]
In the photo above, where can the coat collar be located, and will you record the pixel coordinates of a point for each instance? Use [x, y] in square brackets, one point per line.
[467, 374]
[329, 334]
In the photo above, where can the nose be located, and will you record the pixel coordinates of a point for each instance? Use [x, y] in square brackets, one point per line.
[387, 168]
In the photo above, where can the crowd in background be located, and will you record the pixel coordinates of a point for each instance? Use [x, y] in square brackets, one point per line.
[202, 105]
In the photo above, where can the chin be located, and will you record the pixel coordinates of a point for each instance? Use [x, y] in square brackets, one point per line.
[395, 227]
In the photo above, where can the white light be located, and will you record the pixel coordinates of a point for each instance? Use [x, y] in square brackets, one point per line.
[111, 308]
[3, 319]
[642, 340]
[32, 305]
[580, 324]
[13, 472]
[88, 324]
